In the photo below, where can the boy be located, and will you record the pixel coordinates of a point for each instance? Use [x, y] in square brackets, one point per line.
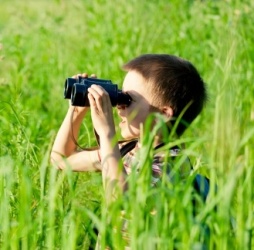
[156, 83]
[159, 83]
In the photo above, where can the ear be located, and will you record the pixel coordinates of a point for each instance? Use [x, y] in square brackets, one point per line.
[167, 112]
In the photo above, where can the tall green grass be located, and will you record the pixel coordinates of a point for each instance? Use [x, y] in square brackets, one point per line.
[43, 42]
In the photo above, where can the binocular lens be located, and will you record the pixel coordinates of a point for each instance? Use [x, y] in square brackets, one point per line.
[79, 95]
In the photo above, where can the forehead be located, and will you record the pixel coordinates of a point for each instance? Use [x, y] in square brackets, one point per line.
[134, 81]
[137, 86]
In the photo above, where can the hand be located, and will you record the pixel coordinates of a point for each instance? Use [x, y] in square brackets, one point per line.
[75, 108]
[101, 111]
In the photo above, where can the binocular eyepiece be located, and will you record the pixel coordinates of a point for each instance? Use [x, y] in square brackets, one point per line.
[76, 90]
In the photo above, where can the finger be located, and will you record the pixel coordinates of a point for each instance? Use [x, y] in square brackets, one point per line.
[93, 76]
[100, 94]
[97, 97]
[91, 101]
[93, 105]
[101, 98]
[99, 89]
[76, 76]
[84, 75]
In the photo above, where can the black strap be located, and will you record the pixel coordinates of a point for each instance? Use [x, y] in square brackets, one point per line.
[128, 147]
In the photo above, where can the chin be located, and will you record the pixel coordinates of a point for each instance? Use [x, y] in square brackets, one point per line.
[128, 136]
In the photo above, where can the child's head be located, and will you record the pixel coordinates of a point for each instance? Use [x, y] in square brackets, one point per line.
[171, 81]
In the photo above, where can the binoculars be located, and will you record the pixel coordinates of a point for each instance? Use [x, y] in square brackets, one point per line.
[76, 90]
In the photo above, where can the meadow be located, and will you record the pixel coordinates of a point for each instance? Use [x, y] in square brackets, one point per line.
[45, 41]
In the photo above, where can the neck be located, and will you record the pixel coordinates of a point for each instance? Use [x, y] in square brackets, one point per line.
[157, 141]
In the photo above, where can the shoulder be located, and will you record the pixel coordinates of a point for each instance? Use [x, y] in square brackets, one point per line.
[174, 159]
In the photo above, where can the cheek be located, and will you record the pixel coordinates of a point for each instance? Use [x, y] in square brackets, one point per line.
[137, 117]
[134, 117]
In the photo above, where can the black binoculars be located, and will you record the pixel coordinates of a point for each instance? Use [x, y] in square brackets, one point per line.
[76, 90]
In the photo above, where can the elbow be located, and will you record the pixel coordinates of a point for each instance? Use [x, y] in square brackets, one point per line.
[55, 161]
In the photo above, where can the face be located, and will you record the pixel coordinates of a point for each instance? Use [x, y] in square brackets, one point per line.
[134, 115]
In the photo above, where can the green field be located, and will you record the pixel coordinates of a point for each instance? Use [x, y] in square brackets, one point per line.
[42, 42]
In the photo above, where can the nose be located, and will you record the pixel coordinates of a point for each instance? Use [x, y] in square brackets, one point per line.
[121, 107]
[121, 110]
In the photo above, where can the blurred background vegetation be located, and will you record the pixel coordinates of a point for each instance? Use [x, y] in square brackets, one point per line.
[43, 42]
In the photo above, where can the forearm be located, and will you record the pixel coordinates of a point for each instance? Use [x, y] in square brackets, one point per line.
[112, 172]
[64, 144]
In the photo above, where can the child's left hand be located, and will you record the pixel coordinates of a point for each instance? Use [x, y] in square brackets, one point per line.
[101, 111]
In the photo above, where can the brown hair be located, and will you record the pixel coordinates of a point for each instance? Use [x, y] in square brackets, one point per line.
[172, 81]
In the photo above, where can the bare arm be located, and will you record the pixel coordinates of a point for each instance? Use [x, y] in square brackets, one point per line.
[64, 151]
[64, 144]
